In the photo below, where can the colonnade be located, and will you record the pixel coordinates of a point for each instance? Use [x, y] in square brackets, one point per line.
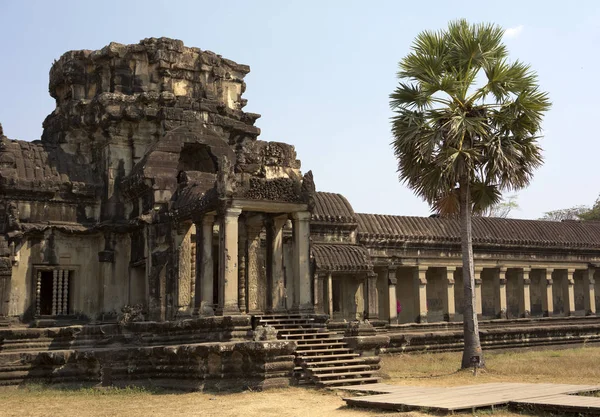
[243, 284]
[323, 292]
[493, 298]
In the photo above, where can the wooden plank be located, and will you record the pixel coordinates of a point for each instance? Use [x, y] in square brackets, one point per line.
[473, 396]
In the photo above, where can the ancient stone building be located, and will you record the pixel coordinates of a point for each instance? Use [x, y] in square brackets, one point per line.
[368, 263]
[149, 186]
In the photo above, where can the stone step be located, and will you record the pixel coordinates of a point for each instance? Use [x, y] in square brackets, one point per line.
[352, 360]
[322, 356]
[303, 345]
[329, 369]
[4, 369]
[334, 351]
[280, 316]
[288, 326]
[318, 358]
[311, 336]
[286, 321]
[344, 375]
[357, 381]
[299, 331]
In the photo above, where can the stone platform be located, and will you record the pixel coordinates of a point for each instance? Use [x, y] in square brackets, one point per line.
[555, 397]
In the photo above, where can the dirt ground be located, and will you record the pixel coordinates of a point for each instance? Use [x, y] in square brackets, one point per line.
[566, 366]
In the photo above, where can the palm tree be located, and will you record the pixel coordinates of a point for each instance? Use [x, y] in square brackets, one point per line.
[466, 127]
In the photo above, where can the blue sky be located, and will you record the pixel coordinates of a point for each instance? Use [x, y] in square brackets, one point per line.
[321, 75]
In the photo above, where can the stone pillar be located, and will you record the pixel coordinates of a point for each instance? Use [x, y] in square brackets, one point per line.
[242, 266]
[525, 297]
[569, 293]
[421, 299]
[255, 288]
[319, 292]
[392, 281]
[65, 274]
[302, 284]
[54, 291]
[59, 293]
[501, 307]
[372, 298]
[589, 292]
[275, 280]
[38, 293]
[228, 265]
[330, 295]
[449, 305]
[478, 299]
[205, 275]
[547, 297]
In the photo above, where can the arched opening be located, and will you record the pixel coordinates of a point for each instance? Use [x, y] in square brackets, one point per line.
[197, 157]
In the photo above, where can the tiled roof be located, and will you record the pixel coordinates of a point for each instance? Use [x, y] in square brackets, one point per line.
[35, 166]
[332, 207]
[391, 230]
[341, 257]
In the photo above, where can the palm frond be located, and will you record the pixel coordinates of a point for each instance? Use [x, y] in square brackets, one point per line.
[442, 136]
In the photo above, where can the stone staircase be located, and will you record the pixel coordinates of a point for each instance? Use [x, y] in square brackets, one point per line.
[323, 358]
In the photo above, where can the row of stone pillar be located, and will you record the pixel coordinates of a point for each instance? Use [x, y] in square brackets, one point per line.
[501, 297]
[239, 288]
[324, 285]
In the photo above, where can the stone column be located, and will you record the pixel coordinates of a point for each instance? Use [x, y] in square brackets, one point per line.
[392, 281]
[205, 276]
[547, 296]
[589, 291]
[255, 288]
[525, 297]
[302, 284]
[38, 293]
[275, 281]
[449, 305]
[54, 291]
[501, 307]
[478, 299]
[242, 266]
[569, 293]
[330, 295]
[319, 292]
[66, 291]
[421, 299]
[372, 298]
[228, 265]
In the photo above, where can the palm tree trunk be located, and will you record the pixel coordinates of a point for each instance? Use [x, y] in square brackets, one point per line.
[471, 326]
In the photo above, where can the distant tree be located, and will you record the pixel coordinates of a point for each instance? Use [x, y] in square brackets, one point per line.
[502, 208]
[459, 145]
[573, 213]
[592, 213]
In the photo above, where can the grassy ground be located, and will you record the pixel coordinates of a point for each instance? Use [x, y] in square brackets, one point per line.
[558, 366]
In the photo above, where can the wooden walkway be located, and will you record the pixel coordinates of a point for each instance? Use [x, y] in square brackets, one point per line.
[469, 397]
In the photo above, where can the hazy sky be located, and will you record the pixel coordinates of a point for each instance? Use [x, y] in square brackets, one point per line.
[321, 75]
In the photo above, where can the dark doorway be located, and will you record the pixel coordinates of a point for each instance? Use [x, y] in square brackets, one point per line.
[46, 288]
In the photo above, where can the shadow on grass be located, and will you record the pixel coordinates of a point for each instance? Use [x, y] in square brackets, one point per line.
[141, 388]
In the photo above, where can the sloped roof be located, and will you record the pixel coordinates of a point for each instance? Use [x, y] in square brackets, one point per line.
[341, 257]
[387, 229]
[35, 166]
[332, 207]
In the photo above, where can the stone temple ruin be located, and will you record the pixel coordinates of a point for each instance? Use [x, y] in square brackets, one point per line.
[150, 235]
